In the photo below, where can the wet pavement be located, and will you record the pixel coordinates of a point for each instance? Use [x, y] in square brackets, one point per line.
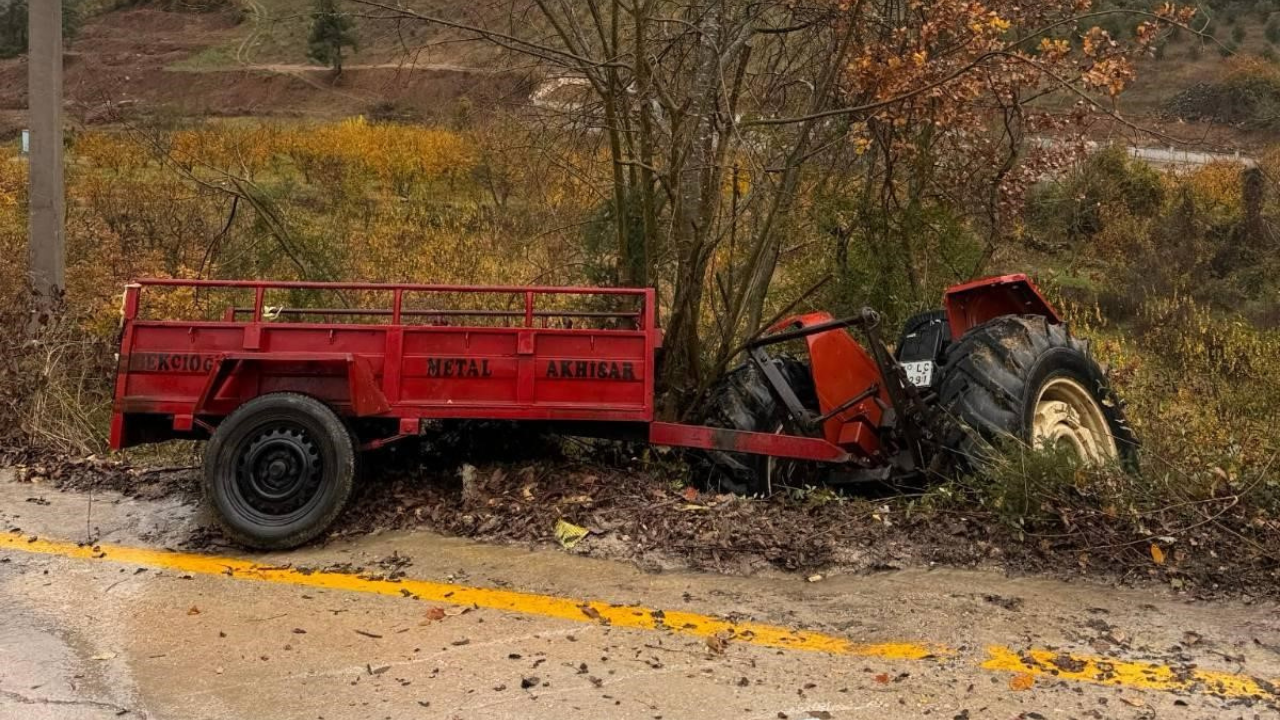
[83, 636]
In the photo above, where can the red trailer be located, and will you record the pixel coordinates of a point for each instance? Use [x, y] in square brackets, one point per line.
[288, 394]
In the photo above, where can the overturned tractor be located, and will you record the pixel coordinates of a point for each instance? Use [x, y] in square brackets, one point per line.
[996, 365]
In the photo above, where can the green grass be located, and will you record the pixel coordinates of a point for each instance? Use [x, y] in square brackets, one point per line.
[216, 57]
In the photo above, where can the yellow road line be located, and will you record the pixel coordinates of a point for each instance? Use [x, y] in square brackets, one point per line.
[591, 611]
[1125, 673]
[1035, 662]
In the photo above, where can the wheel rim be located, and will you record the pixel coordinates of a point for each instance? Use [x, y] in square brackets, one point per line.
[1068, 417]
[278, 474]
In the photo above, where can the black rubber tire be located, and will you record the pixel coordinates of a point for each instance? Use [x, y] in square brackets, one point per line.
[741, 400]
[296, 422]
[919, 320]
[992, 379]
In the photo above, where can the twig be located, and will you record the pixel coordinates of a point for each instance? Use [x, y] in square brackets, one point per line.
[88, 518]
[157, 471]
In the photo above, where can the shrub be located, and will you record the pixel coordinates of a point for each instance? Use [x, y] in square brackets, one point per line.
[55, 382]
[1248, 94]
[1108, 182]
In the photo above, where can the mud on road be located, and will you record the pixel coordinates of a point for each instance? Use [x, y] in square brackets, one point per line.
[375, 626]
[636, 506]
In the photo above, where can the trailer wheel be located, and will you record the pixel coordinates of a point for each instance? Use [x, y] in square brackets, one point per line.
[741, 400]
[1020, 376]
[279, 470]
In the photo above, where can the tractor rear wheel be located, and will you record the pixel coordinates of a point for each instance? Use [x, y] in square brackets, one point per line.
[279, 470]
[1021, 377]
[741, 400]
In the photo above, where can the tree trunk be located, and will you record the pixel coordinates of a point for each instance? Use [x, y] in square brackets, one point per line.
[695, 208]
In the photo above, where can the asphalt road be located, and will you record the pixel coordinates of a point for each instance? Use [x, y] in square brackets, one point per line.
[125, 628]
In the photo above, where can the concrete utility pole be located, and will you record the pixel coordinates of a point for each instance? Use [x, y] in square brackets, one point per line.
[46, 193]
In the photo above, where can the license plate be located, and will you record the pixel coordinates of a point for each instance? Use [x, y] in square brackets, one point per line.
[920, 373]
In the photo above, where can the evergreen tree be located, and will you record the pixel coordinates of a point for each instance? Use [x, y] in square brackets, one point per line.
[331, 31]
[13, 25]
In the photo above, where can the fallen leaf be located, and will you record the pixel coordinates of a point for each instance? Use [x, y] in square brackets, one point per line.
[690, 493]
[456, 610]
[814, 578]
[434, 614]
[469, 487]
[590, 612]
[1133, 702]
[1157, 554]
[568, 534]
[1022, 681]
[193, 610]
[103, 656]
[719, 642]
[882, 678]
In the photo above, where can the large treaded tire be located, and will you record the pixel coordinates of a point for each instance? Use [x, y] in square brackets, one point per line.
[992, 379]
[741, 401]
[295, 437]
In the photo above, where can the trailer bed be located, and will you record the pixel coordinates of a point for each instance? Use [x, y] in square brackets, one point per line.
[526, 363]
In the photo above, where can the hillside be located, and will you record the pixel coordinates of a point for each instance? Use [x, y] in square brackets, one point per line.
[232, 62]
[249, 58]
[274, 33]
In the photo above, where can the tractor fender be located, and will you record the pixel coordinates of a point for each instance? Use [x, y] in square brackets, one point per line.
[971, 304]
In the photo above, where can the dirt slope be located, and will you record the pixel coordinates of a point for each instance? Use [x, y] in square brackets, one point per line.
[152, 61]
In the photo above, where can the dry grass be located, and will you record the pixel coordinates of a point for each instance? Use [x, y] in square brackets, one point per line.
[55, 383]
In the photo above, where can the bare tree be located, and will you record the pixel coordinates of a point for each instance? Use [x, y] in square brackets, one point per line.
[719, 115]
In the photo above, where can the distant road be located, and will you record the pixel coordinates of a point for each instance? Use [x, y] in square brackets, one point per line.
[1176, 159]
[1166, 157]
